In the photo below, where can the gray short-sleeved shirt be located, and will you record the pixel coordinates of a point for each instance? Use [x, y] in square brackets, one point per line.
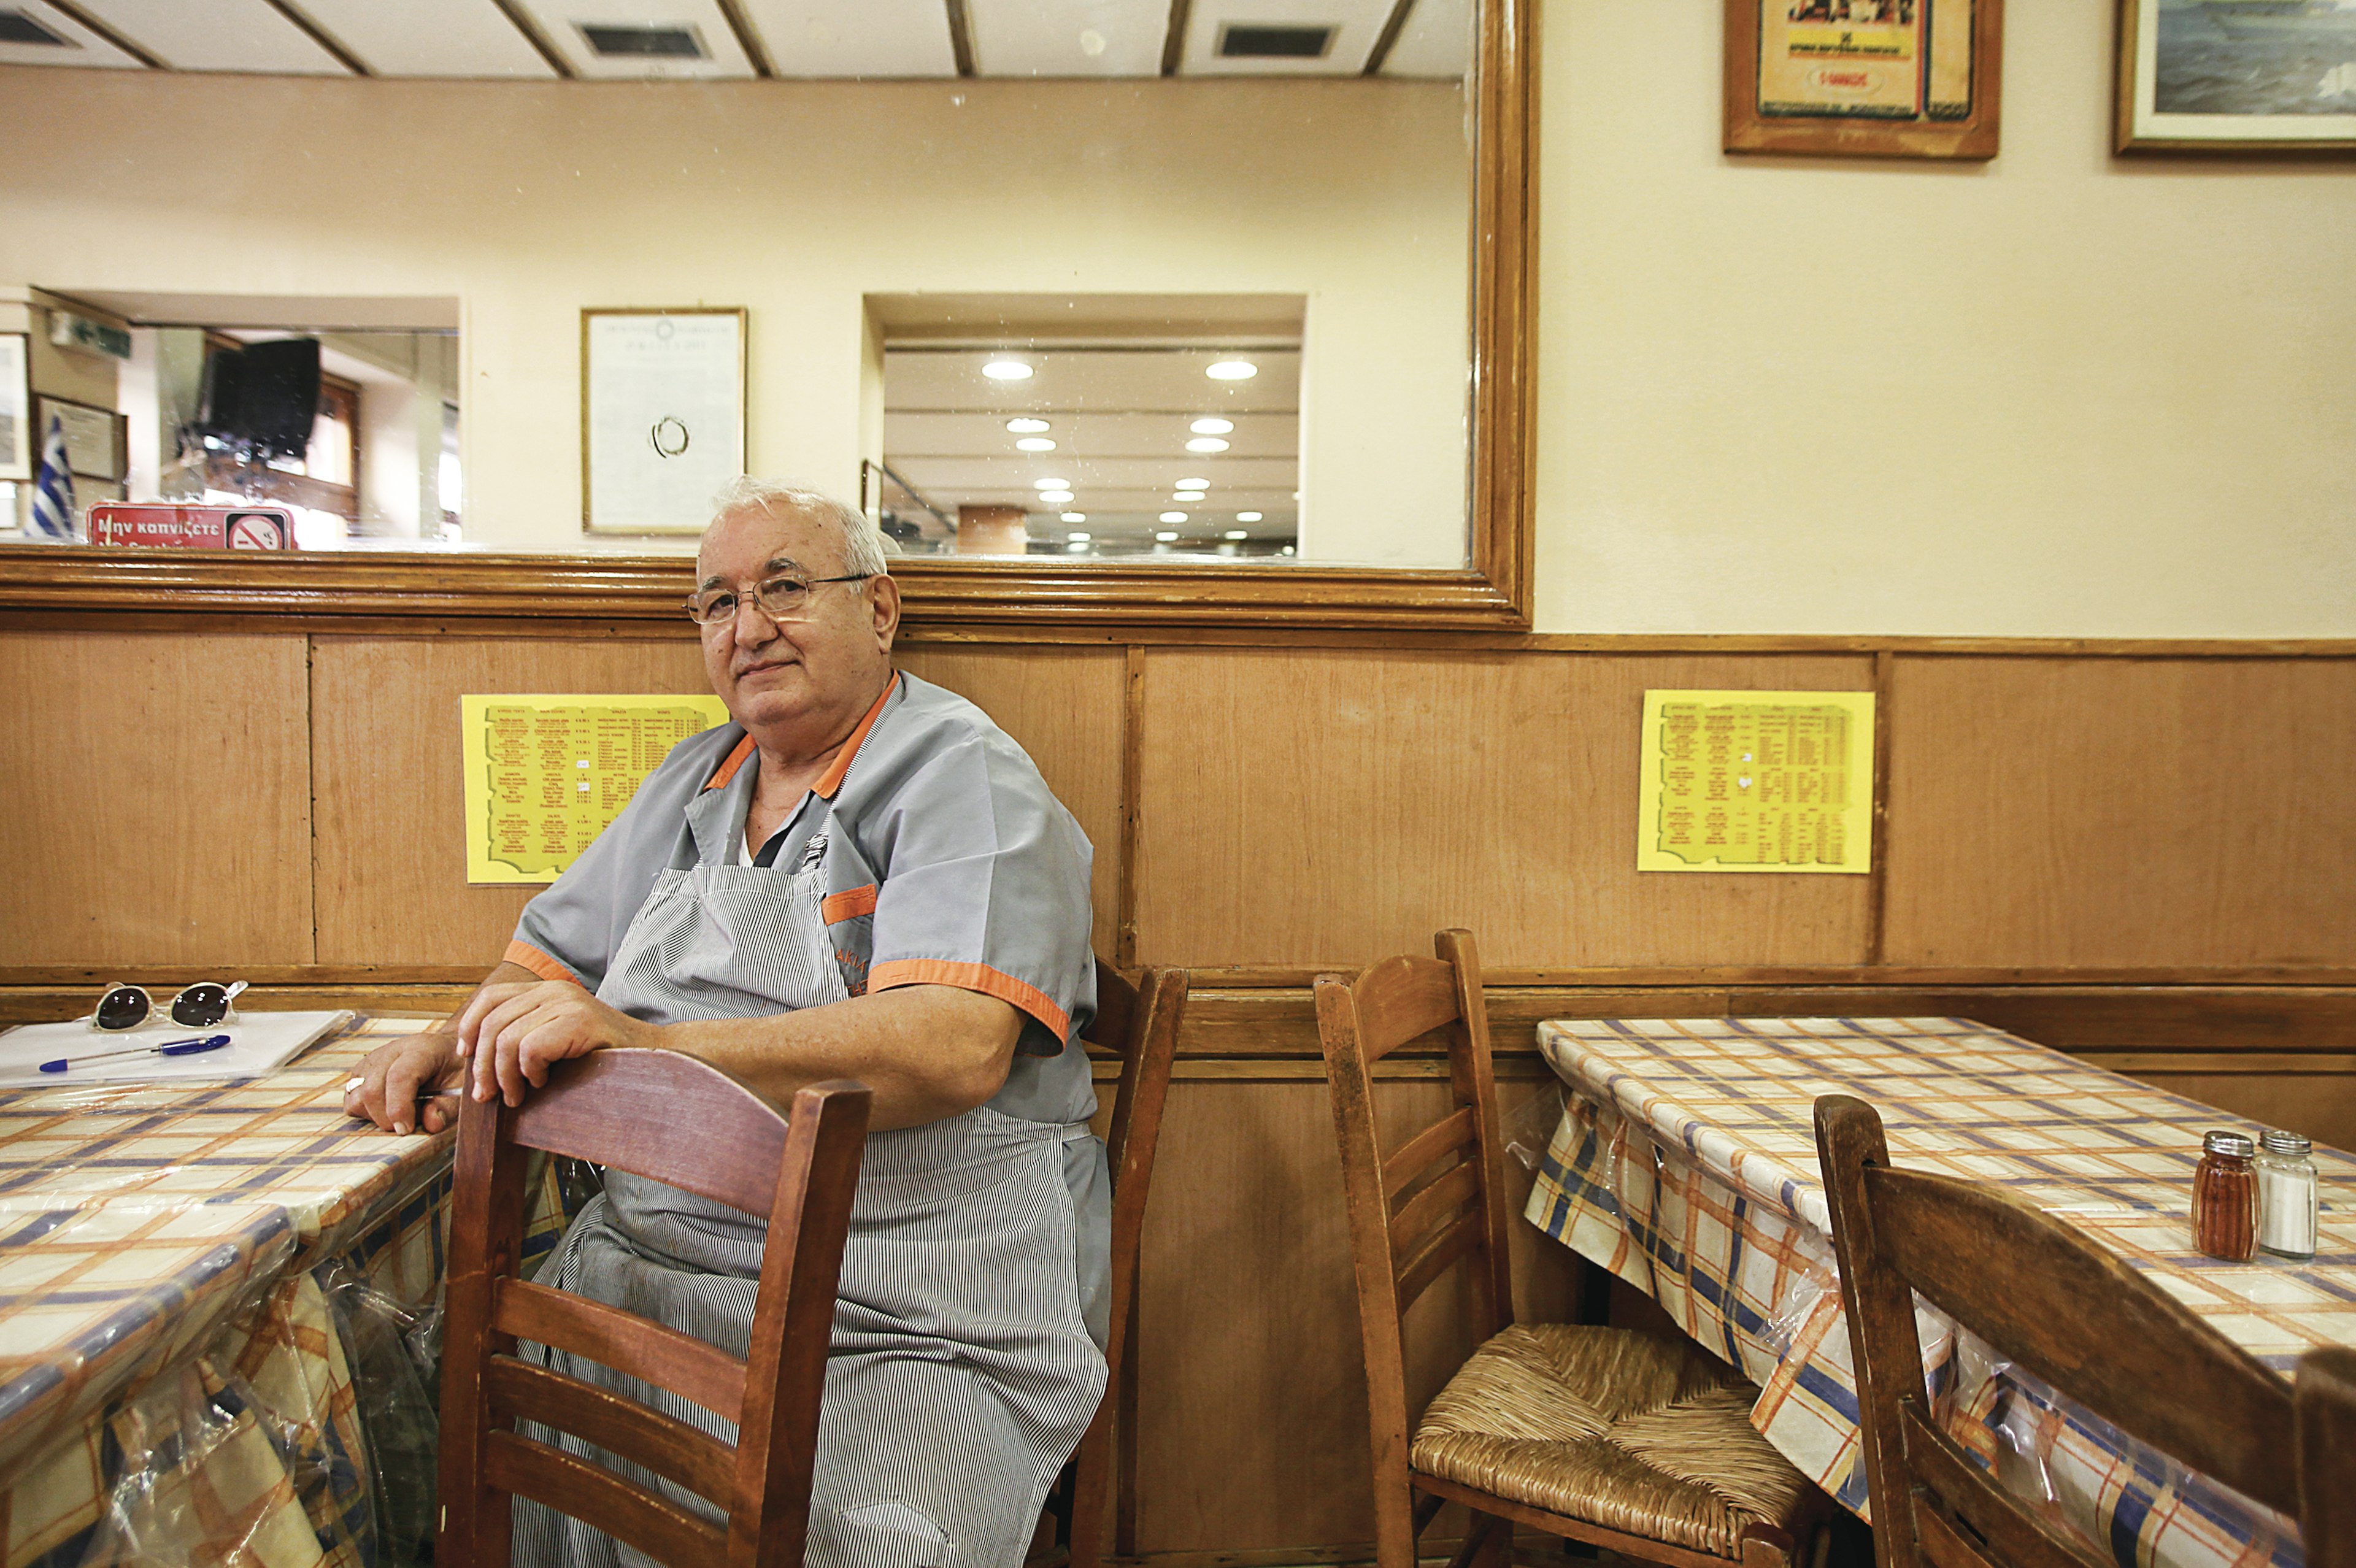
[946, 863]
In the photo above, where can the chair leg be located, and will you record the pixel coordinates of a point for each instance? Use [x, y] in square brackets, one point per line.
[1091, 1490]
[1488, 1543]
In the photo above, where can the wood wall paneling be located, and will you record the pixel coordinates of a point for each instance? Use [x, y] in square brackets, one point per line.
[2079, 812]
[1329, 807]
[159, 799]
[1063, 706]
[390, 857]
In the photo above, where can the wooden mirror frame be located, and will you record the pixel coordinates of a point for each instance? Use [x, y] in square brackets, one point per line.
[1492, 592]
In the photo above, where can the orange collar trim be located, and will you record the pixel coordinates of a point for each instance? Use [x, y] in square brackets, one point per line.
[832, 780]
[829, 781]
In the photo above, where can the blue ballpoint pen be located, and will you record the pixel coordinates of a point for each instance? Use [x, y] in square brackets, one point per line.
[193, 1046]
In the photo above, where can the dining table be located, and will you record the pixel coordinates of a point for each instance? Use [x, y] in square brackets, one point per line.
[217, 1301]
[1684, 1161]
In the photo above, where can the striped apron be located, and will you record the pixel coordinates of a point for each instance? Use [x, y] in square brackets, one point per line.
[961, 1373]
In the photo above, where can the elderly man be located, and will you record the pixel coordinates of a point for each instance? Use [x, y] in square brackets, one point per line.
[861, 877]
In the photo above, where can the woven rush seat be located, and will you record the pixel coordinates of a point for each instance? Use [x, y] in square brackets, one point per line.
[1619, 1428]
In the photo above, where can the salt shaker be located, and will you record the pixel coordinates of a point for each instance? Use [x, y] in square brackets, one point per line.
[2225, 1196]
[2285, 1195]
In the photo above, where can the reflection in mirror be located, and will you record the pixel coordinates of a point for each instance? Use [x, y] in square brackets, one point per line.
[1106, 425]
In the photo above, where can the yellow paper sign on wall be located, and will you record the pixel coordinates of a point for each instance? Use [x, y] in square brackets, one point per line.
[545, 774]
[1756, 781]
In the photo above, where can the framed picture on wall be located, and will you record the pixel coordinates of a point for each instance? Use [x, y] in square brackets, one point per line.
[2237, 76]
[95, 437]
[17, 446]
[1891, 78]
[662, 417]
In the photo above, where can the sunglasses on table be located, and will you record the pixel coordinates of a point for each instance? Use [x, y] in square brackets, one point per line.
[201, 1006]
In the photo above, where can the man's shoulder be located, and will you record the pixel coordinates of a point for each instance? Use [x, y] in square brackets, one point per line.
[929, 725]
[693, 760]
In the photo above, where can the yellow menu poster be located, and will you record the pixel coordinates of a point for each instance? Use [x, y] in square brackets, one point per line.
[545, 774]
[1756, 781]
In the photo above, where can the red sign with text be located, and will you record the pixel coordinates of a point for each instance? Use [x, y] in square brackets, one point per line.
[191, 528]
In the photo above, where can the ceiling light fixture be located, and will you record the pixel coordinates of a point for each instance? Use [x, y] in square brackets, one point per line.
[1173, 517]
[1027, 426]
[1051, 483]
[1186, 495]
[1076, 517]
[1246, 517]
[1212, 427]
[1035, 443]
[1167, 536]
[1056, 498]
[1206, 443]
[1007, 370]
[1077, 538]
[1192, 484]
[1237, 534]
[1232, 371]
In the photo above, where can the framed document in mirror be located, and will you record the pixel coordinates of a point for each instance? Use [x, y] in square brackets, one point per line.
[2237, 76]
[17, 439]
[1903, 79]
[662, 417]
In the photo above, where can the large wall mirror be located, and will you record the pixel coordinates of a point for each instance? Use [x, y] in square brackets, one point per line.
[1213, 311]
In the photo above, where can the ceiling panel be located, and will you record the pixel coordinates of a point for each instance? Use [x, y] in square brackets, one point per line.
[875, 38]
[1069, 38]
[560, 21]
[1436, 41]
[1358, 23]
[1125, 381]
[216, 34]
[429, 38]
[81, 46]
[1089, 435]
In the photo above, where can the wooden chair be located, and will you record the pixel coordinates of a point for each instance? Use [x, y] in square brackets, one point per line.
[1140, 1024]
[2054, 1301]
[1603, 1435]
[714, 1136]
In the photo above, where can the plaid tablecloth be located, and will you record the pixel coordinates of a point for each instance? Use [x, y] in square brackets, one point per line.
[1684, 1163]
[186, 1274]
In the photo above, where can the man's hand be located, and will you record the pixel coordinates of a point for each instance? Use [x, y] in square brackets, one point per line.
[510, 1035]
[394, 1074]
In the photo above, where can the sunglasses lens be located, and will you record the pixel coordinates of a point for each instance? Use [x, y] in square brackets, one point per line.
[125, 1007]
[200, 1006]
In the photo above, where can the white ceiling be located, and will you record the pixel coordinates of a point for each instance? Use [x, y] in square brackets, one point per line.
[515, 39]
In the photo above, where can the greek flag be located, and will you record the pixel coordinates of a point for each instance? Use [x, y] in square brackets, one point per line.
[53, 497]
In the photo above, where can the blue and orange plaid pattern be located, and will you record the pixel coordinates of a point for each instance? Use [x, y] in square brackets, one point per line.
[1684, 1163]
[174, 1378]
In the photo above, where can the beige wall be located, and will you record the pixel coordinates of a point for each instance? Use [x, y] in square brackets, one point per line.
[2061, 394]
[794, 200]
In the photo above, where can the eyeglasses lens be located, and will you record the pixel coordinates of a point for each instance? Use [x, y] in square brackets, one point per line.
[125, 1007]
[200, 1006]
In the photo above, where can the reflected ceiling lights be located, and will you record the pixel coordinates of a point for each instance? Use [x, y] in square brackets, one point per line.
[1051, 483]
[1209, 427]
[1187, 496]
[1224, 370]
[1076, 517]
[1173, 517]
[1054, 497]
[1167, 536]
[1035, 443]
[1026, 426]
[1192, 484]
[1206, 443]
[1077, 538]
[1246, 517]
[1012, 371]
[1237, 534]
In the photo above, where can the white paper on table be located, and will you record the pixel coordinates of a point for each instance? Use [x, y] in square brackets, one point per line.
[258, 1043]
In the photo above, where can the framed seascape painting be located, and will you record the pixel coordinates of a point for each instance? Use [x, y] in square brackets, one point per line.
[2237, 76]
[1907, 79]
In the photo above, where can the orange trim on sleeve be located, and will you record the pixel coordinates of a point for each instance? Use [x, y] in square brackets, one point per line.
[729, 764]
[538, 963]
[979, 978]
[837, 906]
[832, 780]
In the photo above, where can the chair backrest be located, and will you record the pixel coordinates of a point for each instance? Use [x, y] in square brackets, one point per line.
[684, 1122]
[1439, 1197]
[2325, 1397]
[1140, 1024]
[2051, 1299]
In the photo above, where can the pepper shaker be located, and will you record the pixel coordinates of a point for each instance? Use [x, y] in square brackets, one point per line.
[2285, 1195]
[2225, 1196]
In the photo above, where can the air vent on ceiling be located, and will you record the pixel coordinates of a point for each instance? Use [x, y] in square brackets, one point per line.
[614, 42]
[1256, 41]
[15, 28]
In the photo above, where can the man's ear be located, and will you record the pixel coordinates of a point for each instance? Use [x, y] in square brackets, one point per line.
[887, 609]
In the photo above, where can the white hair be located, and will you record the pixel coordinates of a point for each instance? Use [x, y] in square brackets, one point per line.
[863, 542]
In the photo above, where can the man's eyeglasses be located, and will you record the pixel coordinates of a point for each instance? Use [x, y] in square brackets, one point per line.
[781, 598]
[201, 1006]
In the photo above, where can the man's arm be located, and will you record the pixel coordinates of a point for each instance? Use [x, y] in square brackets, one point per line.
[390, 1077]
[929, 1053]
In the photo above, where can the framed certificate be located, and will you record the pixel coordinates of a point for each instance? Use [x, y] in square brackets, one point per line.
[662, 417]
[95, 437]
[18, 444]
[1909, 79]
